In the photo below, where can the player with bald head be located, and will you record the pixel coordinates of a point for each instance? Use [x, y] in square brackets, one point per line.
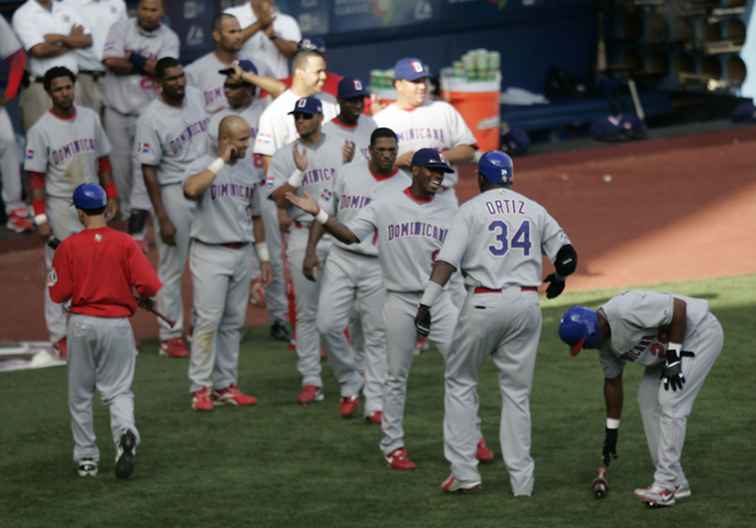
[227, 233]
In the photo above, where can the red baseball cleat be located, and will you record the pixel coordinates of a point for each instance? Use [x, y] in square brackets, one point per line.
[482, 453]
[61, 347]
[201, 400]
[375, 417]
[452, 485]
[399, 459]
[19, 221]
[175, 348]
[231, 395]
[348, 406]
[310, 394]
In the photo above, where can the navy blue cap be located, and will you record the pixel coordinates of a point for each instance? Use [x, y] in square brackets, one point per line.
[244, 64]
[89, 196]
[410, 69]
[428, 157]
[308, 105]
[312, 44]
[349, 88]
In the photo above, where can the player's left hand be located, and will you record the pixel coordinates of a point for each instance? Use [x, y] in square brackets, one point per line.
[111, 210]
[300, 158]
[405, 159]
[310, 266]
[672, 375]
[146, 303]
[347, 151]
[423, 320]
[266, 273]
[556, 285]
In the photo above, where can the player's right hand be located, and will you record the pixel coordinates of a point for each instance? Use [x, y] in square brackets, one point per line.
[305, 202]
[556, 285]
[347, 151]
[610, 445]
[229, 153]
[423, 320]
[167, 231]
[311, 265]
[43, 230]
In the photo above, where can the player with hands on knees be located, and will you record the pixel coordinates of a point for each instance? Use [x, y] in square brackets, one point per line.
[677, 339]
[497, 240]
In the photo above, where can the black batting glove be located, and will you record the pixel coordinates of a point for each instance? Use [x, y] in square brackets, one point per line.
[556, 285]
[672, 375]
[423, 320]
[610, 445]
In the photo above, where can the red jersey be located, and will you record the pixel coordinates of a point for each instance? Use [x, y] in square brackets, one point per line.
[98, 269]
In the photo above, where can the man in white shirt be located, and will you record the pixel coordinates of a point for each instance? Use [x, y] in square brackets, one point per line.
[98, 16]
[270, 37]
[50, 33]
[276, 129]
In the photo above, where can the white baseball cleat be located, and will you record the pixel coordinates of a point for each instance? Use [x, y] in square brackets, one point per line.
[682, 492]
[452, 485]
[87, 468]
[656, 496]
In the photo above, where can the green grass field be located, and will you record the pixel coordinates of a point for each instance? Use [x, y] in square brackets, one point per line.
[282, 465]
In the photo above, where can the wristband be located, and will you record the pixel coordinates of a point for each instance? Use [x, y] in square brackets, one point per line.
[296, 178]
[38, 206]
[262, 251]
[40, 219]
[216, 166]
[674, 347]
[431, 293]
[612, 423]
[321, 217]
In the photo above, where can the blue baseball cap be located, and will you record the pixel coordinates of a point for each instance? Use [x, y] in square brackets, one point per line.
[308, 105]
[312, 44]
[428, 157]
[350, 88]
[244, 64]
[410, 69]
[89, 196]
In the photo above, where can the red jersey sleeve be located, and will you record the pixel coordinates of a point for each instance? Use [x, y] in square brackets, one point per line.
[142, 275]
[60, 278]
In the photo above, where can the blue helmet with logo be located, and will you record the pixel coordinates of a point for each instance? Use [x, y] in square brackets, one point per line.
[579, 328]
[496, 167]
[89, 196]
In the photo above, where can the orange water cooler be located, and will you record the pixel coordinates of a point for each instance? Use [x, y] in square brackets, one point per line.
[478, 103]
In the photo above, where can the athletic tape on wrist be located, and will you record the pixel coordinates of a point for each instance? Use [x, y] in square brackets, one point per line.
[321, 217]
[296, 178]
[262, 251]
[612, 423]
[674, 347]
[431, 293]
[216, 166]
[40, 219]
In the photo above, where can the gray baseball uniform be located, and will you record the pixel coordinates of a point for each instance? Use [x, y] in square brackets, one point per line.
[497, 240]
[125, 96]
[358, 134]
[324, 160]
[275, 292]
[203, 74]
[221, 250]
[635, 318]
[66, 151]
[352, 281]
[410, 233]
[171, 139]
[9, 162]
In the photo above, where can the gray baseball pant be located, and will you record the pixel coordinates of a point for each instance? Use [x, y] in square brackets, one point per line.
[9, 164]
[121, 129]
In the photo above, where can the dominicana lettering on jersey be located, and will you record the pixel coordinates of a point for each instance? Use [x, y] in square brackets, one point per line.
[412, 134]
[200, 127]
[231, 190]
[416, 229]
[314, 176]
[73, 148]
[353, 201]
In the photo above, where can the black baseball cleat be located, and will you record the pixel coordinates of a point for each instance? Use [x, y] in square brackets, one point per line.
[126, 455]
[280, 331]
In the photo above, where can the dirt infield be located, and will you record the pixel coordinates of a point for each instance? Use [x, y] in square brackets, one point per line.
[641, 213]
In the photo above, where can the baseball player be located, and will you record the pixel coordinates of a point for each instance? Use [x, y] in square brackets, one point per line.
[497, 241]
[270, 37]
[353, 127]
[98, 16]
[226, 225]
[309, 164]
[66, 147]
[96, 270]
[50, 32]
[352, 280]
[276, 130]
[410, 225]
[421, 123]
[171, 134]
[132, 48]
[15, 209]
[677, 339]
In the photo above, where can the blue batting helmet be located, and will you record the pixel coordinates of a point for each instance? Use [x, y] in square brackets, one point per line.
[579, 328]
[496, 167]
[88, 196]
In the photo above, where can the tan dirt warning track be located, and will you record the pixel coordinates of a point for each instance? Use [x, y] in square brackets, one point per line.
[641, 213]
